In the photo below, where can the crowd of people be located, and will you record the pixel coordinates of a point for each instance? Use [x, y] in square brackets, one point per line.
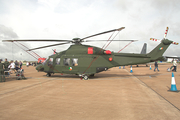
[32, 64]
[11, 66]
[8, 67]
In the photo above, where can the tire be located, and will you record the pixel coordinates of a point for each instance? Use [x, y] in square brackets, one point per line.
[48, 74]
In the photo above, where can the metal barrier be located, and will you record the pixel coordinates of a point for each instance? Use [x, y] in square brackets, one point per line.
[19, 75]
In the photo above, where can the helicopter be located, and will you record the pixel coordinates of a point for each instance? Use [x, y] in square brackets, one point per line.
[85, 60]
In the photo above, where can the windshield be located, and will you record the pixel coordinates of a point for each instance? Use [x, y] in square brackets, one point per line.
[44, 62]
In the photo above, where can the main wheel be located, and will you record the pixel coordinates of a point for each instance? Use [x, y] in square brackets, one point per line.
[48, 74]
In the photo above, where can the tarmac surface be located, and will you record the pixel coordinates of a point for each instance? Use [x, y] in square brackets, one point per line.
[115, 94]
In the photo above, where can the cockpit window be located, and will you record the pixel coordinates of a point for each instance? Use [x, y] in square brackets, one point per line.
[66, 61]
[58, 61]
[75, 62]
[50, 61]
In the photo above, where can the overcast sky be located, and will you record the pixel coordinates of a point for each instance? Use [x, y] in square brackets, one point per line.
[67, 19]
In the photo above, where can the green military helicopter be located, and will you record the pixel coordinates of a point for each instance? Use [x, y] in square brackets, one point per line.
[85, 60]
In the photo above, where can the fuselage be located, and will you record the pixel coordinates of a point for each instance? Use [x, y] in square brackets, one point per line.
[82, 59]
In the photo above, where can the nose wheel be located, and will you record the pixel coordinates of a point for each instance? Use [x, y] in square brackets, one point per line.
[85, 77]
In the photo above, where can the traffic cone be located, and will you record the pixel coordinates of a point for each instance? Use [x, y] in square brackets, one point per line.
[131, 71]
[150, 67]
[173, 84]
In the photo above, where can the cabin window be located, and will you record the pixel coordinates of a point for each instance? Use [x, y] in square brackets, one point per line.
[75, 62]
[50, 61]
[66, 61]
[58, 61]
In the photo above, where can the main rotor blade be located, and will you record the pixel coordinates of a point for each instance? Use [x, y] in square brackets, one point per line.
[106, 40]
[37, 40]
[104, 33]
[47, 46]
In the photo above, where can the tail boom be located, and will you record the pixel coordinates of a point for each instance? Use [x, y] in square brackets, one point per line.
[121, 59]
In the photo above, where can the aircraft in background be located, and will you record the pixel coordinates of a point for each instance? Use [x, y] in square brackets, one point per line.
[143, 51]
[171, 58]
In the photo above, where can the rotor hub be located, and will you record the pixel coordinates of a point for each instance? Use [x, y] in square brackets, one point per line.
[76, 40]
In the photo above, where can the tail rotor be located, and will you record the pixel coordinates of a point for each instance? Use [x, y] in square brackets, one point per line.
[175, 43]
[166, 32]
[153, 39]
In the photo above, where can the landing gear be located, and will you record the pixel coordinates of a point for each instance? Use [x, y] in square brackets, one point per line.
[48, 74]
[85, 77]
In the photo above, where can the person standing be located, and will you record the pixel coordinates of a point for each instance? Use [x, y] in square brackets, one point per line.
[27, 64]
[16, 64]
[20, 64]
[2, 77]
[6, 64]
[174, 65]
[156, 66]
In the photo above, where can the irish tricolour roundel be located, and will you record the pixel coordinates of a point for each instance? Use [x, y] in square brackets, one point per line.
[70, 68]
[160, 48]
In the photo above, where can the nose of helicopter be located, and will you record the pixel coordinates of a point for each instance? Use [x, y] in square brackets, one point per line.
[40, 67]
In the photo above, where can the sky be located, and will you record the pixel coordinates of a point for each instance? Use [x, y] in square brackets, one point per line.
[68, 19]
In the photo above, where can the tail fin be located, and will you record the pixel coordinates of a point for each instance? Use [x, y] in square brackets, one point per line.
[156, 53]
[144, 49]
